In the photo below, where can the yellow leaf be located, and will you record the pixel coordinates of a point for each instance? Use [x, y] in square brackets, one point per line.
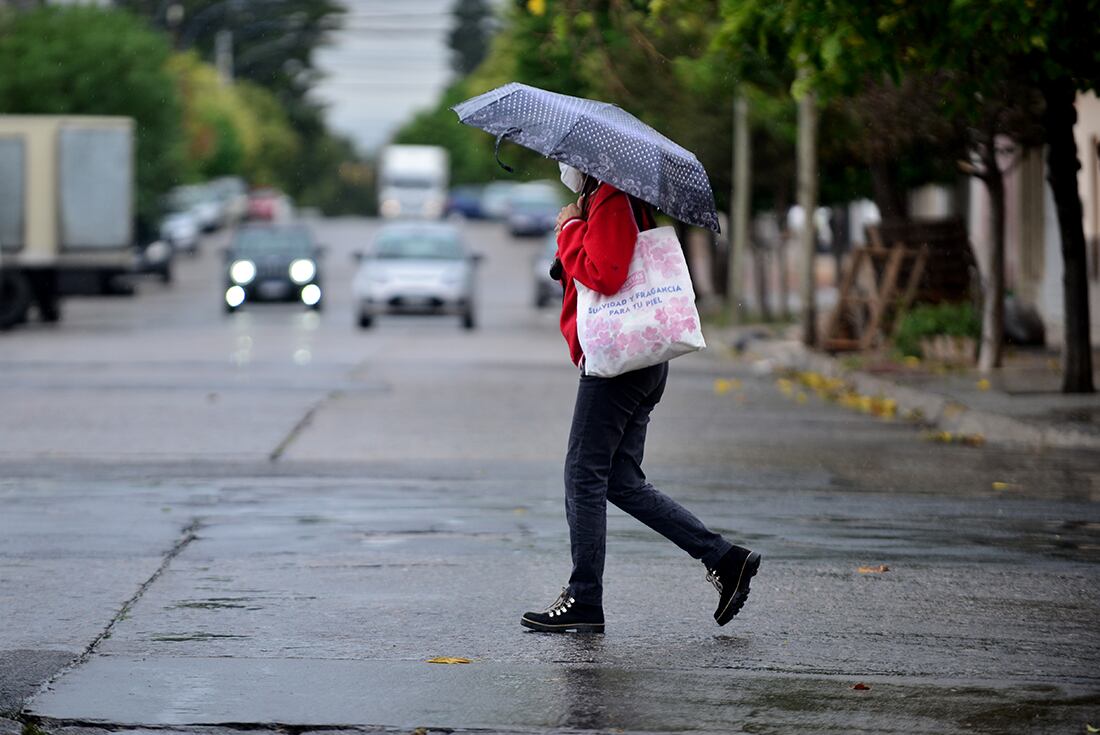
[1090, 728]
[874, 570]
[912, 361]
[802, 397]
[448, 660]
[722, 386]
[997, 485]
[536, 7]
[983, 384]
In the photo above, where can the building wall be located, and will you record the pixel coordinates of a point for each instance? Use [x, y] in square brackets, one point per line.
[1033, 248]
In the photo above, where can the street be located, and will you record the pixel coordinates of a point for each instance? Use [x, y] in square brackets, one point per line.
[274, 519]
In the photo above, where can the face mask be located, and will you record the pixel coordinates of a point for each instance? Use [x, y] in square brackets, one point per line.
[571, 177]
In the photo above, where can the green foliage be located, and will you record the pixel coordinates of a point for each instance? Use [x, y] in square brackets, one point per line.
[95, 61]
[235, 128]
[469, 39]
[273, 42]
[929, 320]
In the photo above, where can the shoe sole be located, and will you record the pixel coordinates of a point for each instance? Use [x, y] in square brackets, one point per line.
[547, 628]
[737, 600]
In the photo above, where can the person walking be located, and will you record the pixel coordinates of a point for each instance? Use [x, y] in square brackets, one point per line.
[596, 239]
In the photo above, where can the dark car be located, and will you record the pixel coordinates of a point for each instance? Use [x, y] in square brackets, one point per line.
[465, 201]
[547, 290]
[273, 263]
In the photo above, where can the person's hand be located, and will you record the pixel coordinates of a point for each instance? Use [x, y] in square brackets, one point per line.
[568, 212]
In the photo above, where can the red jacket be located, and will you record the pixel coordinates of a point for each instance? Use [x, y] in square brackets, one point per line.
[597, 253]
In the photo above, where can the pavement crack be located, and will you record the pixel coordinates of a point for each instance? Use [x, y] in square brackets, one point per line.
[187, 535]
[302, 424]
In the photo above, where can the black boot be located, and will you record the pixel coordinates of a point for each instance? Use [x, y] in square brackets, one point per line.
[731, 579]
[564, 615]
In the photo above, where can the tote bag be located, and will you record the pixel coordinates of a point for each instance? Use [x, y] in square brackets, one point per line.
[651, 319]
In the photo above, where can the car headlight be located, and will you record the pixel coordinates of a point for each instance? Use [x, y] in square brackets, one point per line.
[391, 208]
[302, 271]
[242, 272]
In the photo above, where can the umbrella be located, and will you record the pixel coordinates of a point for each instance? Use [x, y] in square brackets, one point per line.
[601, 140]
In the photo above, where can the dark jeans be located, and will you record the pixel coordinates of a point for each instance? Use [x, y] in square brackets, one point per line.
[604, 463]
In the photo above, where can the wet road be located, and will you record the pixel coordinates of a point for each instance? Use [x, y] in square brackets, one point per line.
[275, 518]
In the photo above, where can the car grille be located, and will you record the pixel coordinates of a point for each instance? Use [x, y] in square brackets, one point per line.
[271, 271]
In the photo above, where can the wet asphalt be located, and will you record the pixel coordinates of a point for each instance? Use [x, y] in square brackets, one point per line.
[273, 521]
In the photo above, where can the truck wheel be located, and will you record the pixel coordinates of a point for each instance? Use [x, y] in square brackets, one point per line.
[15, 299]
[366, 321]
[468, 321]
[166, 274]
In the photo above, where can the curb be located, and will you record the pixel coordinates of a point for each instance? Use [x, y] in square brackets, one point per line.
[936, 411]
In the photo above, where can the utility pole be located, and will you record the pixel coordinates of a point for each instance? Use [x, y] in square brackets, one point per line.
[807, 200]
[223, 55]
[739, 210]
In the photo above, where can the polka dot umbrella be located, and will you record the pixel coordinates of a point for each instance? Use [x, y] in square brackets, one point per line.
[601, 140]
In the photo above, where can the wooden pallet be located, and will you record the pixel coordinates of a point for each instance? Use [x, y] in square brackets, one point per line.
[863, 317]
[880, 282]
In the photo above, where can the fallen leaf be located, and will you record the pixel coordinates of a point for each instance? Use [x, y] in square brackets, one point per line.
[997, 485]
[1090, 728]
[874, 570]
[983, 384]
[861, 687]
[448, 660]
[722, 386]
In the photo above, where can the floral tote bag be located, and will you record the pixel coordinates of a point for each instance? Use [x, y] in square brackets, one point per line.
[650, 320]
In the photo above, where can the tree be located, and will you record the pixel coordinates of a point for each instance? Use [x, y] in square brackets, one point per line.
[95, 61]
[469, 39]
[1048, 47]
[273, 40]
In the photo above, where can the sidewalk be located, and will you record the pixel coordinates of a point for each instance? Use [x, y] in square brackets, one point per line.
[1020, 405]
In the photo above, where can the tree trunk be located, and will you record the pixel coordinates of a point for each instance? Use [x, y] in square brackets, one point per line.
[739, 210]
[807, 199]
[889, 195]
[1062, 165]
[993, 278]
[782, 204]
[760, 271]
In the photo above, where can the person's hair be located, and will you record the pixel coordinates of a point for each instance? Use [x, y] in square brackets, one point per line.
[588, 188]
[643, 212]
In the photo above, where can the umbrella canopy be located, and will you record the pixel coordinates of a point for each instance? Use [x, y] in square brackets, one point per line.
[601, 140]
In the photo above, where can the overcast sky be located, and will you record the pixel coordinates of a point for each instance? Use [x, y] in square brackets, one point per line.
[390, 60]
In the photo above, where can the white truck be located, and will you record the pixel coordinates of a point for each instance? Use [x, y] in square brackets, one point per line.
[66, 207]
[412, 181]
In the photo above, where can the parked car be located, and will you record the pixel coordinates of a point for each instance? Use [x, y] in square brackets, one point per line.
[269, 205]
[200, 201]
[232, 193]
[533, 209]
[181, 231]
[494, 199]
[465, 201]
[271, 262]
[416, 268]
[547, 290]
[154, 258]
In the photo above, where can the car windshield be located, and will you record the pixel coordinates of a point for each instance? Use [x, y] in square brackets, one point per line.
[425, 246]
[180, 200]
[252, 242]
[534, 206]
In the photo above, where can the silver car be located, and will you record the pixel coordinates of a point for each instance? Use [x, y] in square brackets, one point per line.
[416, 268]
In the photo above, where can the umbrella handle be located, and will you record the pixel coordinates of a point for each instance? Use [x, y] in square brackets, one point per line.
[496, 150]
